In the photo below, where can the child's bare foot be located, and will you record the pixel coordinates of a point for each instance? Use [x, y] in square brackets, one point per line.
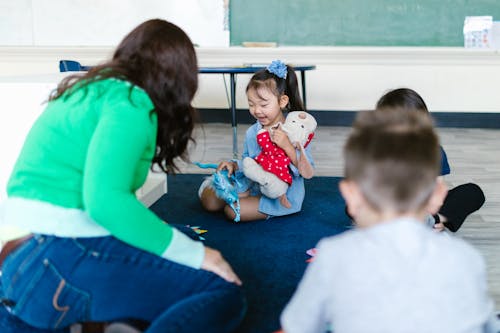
[284, 201]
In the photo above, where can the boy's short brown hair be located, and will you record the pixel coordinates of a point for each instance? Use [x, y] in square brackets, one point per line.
[393, 155]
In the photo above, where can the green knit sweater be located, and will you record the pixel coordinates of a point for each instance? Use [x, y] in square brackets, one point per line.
[91, 150]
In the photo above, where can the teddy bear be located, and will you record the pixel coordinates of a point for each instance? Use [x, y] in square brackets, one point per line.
[270, 169]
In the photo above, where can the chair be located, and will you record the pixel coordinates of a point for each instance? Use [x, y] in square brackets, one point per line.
[72, 66]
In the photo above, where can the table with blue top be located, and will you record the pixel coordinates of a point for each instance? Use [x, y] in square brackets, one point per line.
[232, 71]
[71, 65]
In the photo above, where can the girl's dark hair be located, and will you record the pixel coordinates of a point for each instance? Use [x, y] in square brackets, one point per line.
[403, 98]
[159, 57]
[279, 86]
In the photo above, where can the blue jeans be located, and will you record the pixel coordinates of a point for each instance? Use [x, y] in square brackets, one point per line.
[53, 282]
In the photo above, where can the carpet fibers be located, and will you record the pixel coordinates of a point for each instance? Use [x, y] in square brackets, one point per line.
[270, 255]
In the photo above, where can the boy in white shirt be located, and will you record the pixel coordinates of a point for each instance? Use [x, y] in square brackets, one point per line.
[392, 274]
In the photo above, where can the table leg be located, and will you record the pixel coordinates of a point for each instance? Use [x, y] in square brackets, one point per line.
[303, 81]
[233, 115]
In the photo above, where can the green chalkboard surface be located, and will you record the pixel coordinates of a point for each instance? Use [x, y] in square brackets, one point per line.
[355, 22]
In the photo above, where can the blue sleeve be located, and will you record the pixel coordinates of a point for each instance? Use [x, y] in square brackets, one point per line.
[250, 146]
[445, 167]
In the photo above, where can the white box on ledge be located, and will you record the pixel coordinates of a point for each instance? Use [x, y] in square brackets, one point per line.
[478, 32]
[495, 33]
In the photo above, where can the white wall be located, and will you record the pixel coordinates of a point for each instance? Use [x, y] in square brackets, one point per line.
[346, 78]
[105, 22]
[353, 78]
[22, 100]
[36, 34]
[350, 78]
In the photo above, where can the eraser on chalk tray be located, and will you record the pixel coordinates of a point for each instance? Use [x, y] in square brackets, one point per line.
[260, 44]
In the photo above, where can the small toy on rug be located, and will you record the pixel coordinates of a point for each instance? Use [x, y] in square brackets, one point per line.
[198, 231]
[271, 167]
[311, 252]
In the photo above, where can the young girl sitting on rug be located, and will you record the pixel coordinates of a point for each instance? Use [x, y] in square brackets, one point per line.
[271, 92]
[461, 200]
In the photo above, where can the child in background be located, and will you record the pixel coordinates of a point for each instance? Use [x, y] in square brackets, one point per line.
[271, 92]
[462, 200]
[377, 277]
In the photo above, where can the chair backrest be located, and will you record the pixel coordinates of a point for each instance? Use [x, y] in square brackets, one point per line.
[72, 66]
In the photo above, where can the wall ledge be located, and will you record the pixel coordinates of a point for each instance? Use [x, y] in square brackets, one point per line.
[318, 55]
[45, 53]
[352, 55]
[451, 79]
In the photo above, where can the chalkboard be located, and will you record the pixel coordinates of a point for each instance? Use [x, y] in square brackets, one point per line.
[355, 22]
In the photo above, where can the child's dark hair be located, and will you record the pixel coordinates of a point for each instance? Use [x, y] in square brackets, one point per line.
[288, 86]
[404, 98]
[394, 158]
[160, 58]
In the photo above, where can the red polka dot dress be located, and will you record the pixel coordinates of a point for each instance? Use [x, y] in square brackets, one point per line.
[272, 158]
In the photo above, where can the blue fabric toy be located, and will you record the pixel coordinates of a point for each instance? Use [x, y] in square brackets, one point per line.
[226, 187]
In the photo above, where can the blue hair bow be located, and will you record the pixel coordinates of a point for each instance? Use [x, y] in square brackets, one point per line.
[278, 68]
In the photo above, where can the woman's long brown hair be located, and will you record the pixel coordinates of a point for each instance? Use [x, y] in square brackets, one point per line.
[160, 58]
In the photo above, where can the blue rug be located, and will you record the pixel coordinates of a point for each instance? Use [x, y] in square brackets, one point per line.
[270, 255]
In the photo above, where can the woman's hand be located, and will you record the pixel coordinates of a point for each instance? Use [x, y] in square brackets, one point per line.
[230, 166]
[215, 263]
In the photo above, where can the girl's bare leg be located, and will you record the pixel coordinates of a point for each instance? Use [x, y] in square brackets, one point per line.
[249, 210]
[210, 201]
[244, 194]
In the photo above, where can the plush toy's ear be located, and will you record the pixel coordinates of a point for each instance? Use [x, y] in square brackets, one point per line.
[309, 138]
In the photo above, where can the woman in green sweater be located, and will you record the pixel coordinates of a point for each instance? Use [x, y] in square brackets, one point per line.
[92, 251]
